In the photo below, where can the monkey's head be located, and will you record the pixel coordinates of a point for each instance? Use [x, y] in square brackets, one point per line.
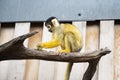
[51, 22]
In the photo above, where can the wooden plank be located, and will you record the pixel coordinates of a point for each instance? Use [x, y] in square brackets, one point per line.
[47, 69]
[92, 39]
[117, 51]
[60, 70]
[6, 34]
[16, 68]
[20, 29]
[32, 66]
[106, 40]
[78, 68]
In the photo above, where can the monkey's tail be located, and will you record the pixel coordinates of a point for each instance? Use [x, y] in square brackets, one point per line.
[68, 71]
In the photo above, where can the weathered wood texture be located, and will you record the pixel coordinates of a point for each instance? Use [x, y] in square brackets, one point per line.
[92, 39]
[32, 66]
[16, 46]
[18, 67]
[6, 34]
[106, 39]
[117, 51]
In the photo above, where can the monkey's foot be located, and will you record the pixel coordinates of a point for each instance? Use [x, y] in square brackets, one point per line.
[60, 52]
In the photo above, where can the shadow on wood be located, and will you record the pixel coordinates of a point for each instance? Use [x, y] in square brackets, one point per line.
[14, 50]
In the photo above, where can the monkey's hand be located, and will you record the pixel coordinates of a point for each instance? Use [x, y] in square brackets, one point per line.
[39, 47]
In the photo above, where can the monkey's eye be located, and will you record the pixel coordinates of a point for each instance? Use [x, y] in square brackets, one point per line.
[48, 26]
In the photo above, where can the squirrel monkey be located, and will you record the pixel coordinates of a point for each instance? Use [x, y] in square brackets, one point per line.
[67, 36]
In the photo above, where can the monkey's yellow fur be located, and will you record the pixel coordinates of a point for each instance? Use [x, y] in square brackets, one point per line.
[65, 35]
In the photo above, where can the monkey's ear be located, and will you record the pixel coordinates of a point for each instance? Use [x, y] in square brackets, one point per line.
[55, 22]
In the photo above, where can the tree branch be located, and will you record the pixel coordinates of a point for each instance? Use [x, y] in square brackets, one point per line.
[14, 50]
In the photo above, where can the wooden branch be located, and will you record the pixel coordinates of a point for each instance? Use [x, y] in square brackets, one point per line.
[90, 70]
[14, 50]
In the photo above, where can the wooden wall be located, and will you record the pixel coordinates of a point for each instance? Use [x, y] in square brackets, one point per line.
[96, 34]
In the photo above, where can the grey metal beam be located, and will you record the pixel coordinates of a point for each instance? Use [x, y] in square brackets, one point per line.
[65, 10]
